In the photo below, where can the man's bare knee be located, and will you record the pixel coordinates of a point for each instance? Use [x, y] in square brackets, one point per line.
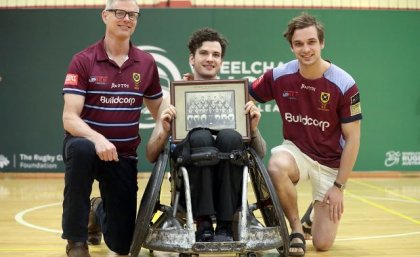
[322, 244]
[282, 166]
[276, 168]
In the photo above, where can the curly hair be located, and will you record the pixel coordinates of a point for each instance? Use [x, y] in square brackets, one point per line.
[206, 34]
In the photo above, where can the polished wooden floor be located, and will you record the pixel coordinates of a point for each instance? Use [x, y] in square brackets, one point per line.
[382, 217]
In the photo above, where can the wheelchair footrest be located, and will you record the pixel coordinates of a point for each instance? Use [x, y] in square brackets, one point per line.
[183, 240]
[208, 247]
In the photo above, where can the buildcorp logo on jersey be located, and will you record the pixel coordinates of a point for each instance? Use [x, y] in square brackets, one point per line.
[231, 69]
[306, 120]
[117, 100]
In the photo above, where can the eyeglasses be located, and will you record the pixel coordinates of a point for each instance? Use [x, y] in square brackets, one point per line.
[120, 14]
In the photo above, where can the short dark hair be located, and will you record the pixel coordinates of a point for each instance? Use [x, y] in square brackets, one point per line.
[303, 21]
[206, 34]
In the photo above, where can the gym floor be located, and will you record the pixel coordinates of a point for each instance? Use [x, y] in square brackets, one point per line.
[381, 217]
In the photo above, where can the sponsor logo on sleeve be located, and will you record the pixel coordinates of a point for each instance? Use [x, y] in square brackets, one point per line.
[355, 98]
[355, 107]
[71, 79]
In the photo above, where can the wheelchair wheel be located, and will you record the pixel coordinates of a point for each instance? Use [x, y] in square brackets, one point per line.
[267, 200]
[148, 204]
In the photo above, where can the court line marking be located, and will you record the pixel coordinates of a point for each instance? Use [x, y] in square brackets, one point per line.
[19, 217]
[43, 249]
[378, 237]
[382, 207]
[409, 198]
[379, 206]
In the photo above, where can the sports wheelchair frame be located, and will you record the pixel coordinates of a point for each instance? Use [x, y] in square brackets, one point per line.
[174, 231]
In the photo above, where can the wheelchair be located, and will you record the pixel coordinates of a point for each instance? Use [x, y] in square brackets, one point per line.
[174, 231]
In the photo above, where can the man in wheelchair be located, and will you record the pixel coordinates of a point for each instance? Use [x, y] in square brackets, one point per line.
[216, 190]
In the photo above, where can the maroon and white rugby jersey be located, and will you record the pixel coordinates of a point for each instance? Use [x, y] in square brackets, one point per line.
[312, 110]
[113, 95]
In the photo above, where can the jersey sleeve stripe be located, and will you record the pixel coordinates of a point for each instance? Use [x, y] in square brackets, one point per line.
[351, 118]
[74, 91]
[155, 96]
[254, 95]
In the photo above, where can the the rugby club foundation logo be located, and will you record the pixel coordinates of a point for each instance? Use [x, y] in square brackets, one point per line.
[3, 161]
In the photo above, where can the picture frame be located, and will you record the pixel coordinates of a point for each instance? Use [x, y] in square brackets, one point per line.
[214, 104]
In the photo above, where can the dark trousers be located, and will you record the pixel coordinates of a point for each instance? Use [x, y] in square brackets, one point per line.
[216, 190]
[118, 188]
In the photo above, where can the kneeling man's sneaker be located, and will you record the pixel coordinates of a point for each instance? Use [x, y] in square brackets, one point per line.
[94, 229]
[77, 249]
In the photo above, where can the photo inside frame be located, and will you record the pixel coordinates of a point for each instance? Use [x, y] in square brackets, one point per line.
[215, 110]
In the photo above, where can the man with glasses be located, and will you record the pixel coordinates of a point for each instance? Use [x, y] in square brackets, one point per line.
[104, 90]
[120, 14]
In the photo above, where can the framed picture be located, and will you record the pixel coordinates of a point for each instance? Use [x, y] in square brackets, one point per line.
[214, 104]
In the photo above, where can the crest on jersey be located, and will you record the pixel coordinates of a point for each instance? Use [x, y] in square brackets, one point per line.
[325, 98]
[136, 78]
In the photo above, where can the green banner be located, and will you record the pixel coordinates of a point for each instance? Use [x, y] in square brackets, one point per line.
[378, 48]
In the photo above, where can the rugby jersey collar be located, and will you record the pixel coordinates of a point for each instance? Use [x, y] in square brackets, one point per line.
[102, 56]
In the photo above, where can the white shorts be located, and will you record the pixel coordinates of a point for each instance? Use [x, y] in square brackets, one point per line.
[322, 177]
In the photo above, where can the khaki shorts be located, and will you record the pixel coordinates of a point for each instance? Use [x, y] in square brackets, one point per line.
[322, 177]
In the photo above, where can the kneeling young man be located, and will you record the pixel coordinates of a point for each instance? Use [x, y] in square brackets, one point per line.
[320, 110]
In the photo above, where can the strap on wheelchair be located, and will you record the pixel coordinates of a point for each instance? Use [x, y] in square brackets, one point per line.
[207, 156]
[204, 156]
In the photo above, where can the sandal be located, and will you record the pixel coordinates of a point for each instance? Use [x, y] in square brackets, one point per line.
[297, 245]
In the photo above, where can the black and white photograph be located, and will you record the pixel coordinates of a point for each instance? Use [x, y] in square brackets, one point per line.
[215, 110]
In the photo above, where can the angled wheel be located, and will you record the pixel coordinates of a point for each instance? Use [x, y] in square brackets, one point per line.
[148, 204]
[267, 200]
